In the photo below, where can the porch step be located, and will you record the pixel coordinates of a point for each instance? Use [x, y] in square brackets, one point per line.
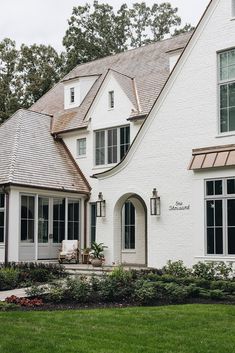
[88, 270]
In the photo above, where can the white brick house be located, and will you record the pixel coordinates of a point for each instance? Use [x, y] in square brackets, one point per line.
[185, 149]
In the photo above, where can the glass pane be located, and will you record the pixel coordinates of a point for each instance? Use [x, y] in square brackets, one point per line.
[30, 207]
[62, 209]
[224, 74]
[224, 120]
[231, 186]
[231, 212]
[24, 207]
[1, 235]
[24, 230]
[231, 57]
[210, 208]
[218, 213]
[231, 72]
[223, 60]
[93, 222]
[76, 230]
[219, 240]
[76, 211]
[55, 232]
[210, 241]
[2, 199]
[231, 119]
[223, 96]
[231, 241]
[61, 231]
[70, 211]
[70, 231]
[31, 231]
[1, 219]
[210, 188]
[218, 187]
[132, 237]
[232, 95]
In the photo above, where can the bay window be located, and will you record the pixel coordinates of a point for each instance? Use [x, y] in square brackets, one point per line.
[220, 216]
[111, 145]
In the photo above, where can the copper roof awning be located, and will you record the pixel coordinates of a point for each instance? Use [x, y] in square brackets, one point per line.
[212, 157]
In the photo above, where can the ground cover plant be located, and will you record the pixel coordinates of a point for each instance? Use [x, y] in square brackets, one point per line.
[168, 329]
[174, 283]
[16, 275]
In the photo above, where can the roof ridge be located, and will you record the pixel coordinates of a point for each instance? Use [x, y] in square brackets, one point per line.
[15, 147]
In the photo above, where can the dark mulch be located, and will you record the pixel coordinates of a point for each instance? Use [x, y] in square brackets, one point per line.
[49, 306]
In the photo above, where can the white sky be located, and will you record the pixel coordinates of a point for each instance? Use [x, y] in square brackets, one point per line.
[45, 21]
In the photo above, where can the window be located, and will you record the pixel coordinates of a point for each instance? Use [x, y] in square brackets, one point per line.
[2, 216]
[233, 8]
[111, 145]
[72, 95]
[73, 219]
[128, 215]
[93, 222]
[220, 216]
[43, 219]
[58, 220]
[227, 90]
[81, 147]
[27, 218]
[111, 99]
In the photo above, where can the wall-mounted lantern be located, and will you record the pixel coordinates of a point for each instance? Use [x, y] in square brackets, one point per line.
[100, 206]
[155, 204]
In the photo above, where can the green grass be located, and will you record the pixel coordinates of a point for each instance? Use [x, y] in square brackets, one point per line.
[169, 329]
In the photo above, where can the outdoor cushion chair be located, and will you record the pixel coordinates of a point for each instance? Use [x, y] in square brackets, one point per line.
[69, 251]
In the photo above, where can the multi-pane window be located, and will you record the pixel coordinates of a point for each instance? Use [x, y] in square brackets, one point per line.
[93, 222]
[43, 219]
[128, 215]
[227, 90]
[73, 219]
[81, 147]
[2, 209]
[27, 218]
[72, 95]
[58, 220]
[111, 99]
[220, 216]
[111, 145]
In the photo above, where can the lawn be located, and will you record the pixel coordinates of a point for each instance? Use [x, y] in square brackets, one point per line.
[169, 329]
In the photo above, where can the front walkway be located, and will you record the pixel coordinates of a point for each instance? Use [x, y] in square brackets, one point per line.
[18, 292]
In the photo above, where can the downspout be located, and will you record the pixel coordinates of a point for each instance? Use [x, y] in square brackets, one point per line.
[85, 220]
[6, 192]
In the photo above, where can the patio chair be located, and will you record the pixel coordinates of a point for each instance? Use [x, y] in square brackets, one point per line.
[69, 251]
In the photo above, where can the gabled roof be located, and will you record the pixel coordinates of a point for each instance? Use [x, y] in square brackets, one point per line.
[148, 66]
[30, 156]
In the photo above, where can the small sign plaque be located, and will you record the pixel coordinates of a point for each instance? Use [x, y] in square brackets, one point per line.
[179, 206]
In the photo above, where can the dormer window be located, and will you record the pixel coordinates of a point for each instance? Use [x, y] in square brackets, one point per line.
[72, 95]
[111, 99]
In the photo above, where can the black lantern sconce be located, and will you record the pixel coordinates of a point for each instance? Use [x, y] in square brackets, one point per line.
[155, 204]
[100, 206]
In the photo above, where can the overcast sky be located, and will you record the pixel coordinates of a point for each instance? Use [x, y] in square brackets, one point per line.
[45, 21]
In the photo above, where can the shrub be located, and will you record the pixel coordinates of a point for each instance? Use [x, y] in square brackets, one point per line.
[24, 301]
[78, 289]
[212, 270]
[144, 292]
[176, 269]
[4, 306]
[9, 278]
[36, 291]
[216, 294]
[55, 293]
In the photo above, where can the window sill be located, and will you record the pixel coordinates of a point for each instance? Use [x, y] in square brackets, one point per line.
[225, 134]
[232, 19]
[81, 157]
[129, 251]
[104, 166]
[216, 257]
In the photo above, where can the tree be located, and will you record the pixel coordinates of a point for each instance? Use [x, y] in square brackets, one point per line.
[26, 74]
[8, 87]
[39, 68]
[96, 31]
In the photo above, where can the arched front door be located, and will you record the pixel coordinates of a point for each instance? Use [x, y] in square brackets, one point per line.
[132, 231]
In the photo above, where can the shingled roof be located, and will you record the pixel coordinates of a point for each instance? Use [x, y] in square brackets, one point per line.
[30, 156]
[147, 67]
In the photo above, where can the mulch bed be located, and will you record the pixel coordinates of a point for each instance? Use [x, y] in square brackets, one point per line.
[48, 306]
